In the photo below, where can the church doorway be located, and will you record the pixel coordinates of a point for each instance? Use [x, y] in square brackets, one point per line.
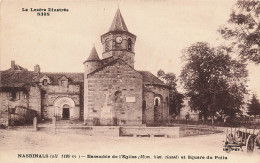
[66, 112]
[65, 109]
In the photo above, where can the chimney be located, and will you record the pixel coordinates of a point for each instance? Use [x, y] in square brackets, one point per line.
[37, 69]
[12, 65]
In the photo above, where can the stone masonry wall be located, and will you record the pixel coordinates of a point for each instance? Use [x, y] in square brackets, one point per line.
[163, 110]
[35, 100]
[149, 111]
[114, 96]
[119, 50]
[53, 92]
[81, 102]
[128, 57]
[4, 97]
[5, 103]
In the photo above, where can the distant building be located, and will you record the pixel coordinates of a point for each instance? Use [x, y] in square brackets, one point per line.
[109, 92]
[245, 106]
[186, 113]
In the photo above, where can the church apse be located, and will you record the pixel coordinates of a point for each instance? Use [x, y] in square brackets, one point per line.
[156, 110]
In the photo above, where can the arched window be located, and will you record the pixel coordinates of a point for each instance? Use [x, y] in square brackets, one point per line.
[106, 45]
[63, 83]
[156, 102]
[167, 101]
[129, 45]
[117, 95]
[12, 95]
[44, 82]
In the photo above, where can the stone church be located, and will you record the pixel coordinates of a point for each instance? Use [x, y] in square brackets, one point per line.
[109, 92]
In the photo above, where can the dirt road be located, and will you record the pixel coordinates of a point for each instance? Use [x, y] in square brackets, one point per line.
[24, 146]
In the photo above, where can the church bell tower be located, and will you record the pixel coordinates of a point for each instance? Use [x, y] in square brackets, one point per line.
[118, 42]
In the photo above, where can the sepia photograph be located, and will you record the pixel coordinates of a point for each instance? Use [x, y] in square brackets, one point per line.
[130, 81]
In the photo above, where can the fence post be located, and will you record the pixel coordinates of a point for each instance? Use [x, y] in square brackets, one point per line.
[54, 124]
[35, 124]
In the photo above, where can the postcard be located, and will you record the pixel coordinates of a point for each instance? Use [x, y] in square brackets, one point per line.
[129, 81]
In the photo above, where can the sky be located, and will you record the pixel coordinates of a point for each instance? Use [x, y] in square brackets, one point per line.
[62, 41]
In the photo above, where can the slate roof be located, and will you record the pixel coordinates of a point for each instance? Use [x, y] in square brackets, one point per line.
[107, 60]
[72, 77]
[149, 78]
[93, 56]
[118, 23]
[108, 64]
[20, 78]
[10, 78]
[18, 67]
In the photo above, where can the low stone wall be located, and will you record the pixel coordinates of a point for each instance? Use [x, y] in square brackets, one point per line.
[228, 129]
[90, 130]
[197, 130]
[106, 131]
[71, 129]
[20, 116]
[150, 131]
[115, 131]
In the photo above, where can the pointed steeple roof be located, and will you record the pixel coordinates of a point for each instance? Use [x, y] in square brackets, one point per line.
[118, 23]
[93, 56]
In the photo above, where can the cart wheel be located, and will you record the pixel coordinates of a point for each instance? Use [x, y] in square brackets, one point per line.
[250, 144]
[229, 149]
[230, 137]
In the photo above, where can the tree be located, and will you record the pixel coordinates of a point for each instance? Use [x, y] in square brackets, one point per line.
[169, 78]
[176, 102]
[243, 29]
[214, 82]
[254, 106]
[176, 98]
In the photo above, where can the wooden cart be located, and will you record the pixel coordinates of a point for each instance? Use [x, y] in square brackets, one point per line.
[236, 139]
